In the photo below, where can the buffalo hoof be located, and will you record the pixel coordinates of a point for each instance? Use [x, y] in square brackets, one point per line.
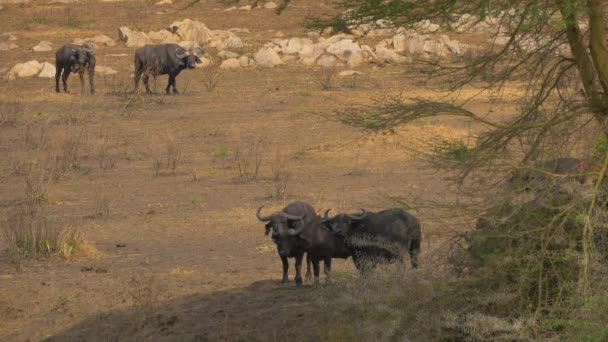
[284, 281]
[299, 283]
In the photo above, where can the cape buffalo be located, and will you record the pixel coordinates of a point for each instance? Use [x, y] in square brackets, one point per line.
[163, 59]
[378, 237]
[302, 233]
[77, 59]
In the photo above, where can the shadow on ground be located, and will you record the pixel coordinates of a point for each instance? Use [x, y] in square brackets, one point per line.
[263, 311]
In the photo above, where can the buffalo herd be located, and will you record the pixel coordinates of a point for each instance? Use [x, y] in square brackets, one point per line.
[150, 60]
[368, 237]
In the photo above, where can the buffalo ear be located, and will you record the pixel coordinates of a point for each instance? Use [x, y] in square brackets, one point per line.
[268, 227]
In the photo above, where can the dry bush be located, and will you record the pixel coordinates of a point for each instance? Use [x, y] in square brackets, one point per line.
[38, 180]
[211, 75]
[167, 155]
[326, 78]
[103, 152]
[31, 232]
[10, 111]
[68, 152]
[142, 293]
[102, 205]
[37, 135]
[247, 156]
[280, 174]
[74, 114]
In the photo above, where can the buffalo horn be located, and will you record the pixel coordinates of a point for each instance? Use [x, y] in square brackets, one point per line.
[360, 217]
[262, 218]
[298, 230]
[179, 55]
[326, 215]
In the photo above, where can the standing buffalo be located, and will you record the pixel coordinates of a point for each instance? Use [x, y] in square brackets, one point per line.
[163, 59]
[75, 58]
[284, 225]
[378, 237]
[297, 230]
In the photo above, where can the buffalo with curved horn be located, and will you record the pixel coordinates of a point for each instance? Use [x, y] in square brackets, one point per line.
[378, 237]
[286, 225]
[77, 59]
[164, 59]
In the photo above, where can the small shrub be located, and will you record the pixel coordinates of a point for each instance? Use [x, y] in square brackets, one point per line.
[280, 175]
[10, 112]
[221, 152]
[167, 156]
[106, 159]
[68, 156]
[455, 150]
[36, 136]
[299, 153]
[247, 157]
[304, 93]
[211, 76]
[37, 183]
[31, 233]
[326, 78]
[197, 200]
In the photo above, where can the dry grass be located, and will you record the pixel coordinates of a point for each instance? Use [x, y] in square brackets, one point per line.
[167, 156]
[280, 174]
[211, 76]
[10, 111]
[247, 156]
[104, 146]
[38, 180]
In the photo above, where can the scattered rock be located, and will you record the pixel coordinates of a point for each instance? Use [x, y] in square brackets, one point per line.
[15, 1]
[245, 8]
[267, 58]
[48, 70]
[133, 38]
[347, 51]
[101, 40]
[227, 54]
[26, 69]
[43, 46]
[385, 55]
[230, 9]
[104, 70]
[270, 5]
[246, 61]
[164, 2]
[231, 63]
[5, 46]
[327, 61]
[164, 37]
[234, 43]
[188, 45]
[196, 31]
[205, 62]
[239, 30]
[350, 73]
[8, 36]
[279, 34]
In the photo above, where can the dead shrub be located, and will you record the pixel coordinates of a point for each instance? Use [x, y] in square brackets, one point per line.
[10, 111]
[38, 180]
[142, 292]
[247, 157]
[69, 148]
[326, 78]
[280, 174]
[211, 76]
[167, 155]
[31, 232]
[37, 135]
[104, 146]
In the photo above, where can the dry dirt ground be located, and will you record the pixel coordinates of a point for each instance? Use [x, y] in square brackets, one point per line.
[195, 263]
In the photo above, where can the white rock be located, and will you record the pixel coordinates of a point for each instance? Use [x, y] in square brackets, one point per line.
[279, 34]
[452, 45]
[47, 71]
[349, 73]
[435, 49]
[43, 46]
[104, 70]
[239, 30]
[246, 61]
[234, 43]
[133, 38]
[389, 56]
[294, 45]
[230, 9]
[267, 58]
[164, 2]
[347, 51]
[245, 8]
[188, 44]
[313, 35]
[270, 5]
[101, 40]
[5, 46]
[227, 54]
[336, 38]
[8, 36]
[26, 69]
[164, 36]
[231, 63]
[289, 58]
[368, 53]
[327, 60]
[196, 31]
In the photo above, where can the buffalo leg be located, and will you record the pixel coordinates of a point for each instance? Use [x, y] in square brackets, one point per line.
[136, 78]
[285, 262]
[327, 269]
[92, 80]
[414, 251]
[299, 258]
[308, 275]
[57, 76]
[315, 268]
[64, 79]
[146, 78]
[81, 76]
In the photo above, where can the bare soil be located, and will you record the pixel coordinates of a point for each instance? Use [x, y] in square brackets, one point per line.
[194, 263]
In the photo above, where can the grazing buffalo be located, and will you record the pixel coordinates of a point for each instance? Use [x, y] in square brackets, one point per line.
[77, 59]
[163, 59]
[378, 237]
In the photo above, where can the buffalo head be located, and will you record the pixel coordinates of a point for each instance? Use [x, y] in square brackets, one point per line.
[342, 224]
[190, 58]
[285, 229]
